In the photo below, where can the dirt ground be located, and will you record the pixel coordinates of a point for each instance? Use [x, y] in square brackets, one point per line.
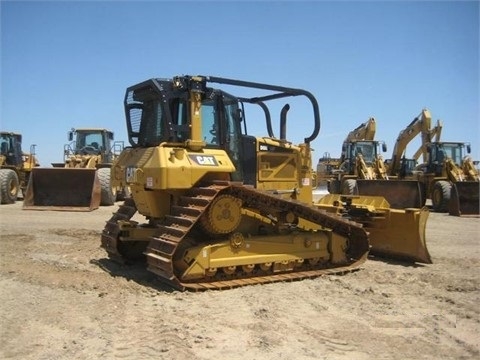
[61, 298]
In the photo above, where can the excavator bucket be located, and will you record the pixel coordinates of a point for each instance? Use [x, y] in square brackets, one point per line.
[63, 189]
[400, 194]
[393, 233]
[464, 198]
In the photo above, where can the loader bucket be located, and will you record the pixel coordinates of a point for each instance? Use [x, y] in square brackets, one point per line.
[63, 189]
[400, 194]
[393, 233]
[464, 198]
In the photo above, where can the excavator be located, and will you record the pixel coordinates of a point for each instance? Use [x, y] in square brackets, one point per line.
[224, 208]
[15, 166]
[82, 181]
[403, 167]
[406, 189]
[446, 176]
[363, 171]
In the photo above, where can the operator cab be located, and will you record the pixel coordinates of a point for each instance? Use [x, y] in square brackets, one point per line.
[90, 141]
[163, 112]
[441, 151]
[368, 149]
[11, 148]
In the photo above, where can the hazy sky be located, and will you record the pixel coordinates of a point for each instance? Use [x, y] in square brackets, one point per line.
[67, 64]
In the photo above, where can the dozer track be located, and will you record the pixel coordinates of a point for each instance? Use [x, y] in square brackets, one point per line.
[171, 237]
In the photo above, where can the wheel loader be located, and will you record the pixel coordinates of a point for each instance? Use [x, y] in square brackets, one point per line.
[447, 177]
[224, 208]
[362, 165]
[15, 167]
[405, 191]
[450, 179]
[82, 181]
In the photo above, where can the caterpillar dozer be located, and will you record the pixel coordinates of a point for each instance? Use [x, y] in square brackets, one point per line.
[82, 181]
[15, 167]
[223, 208]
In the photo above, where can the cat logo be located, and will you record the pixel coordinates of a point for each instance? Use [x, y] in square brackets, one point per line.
[130, 174]
[204, 160]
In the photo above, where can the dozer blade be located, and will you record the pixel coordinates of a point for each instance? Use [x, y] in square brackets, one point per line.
[464, 198]
[393, 233]
[63, 189]
[400, 194]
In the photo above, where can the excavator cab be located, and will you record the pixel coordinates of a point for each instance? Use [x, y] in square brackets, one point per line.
[369, 151]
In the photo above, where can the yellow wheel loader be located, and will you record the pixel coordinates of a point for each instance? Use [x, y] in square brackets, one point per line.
[224, 208]
[15, 167]
[362, 171]
[446, 176]
[82, 181]
[450, 179]
[398, 181]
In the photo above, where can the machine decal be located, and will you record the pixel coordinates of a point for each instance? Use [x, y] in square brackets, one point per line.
[204, 160]
[149, 182]
[130, 174]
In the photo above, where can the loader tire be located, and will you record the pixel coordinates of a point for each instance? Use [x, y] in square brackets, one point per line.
[333, 187]
[349, 187]
[109, 194]
[441, 196]
[9, 186]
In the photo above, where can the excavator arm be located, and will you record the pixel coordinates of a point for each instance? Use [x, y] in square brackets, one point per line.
[365, 131]
[432, 135]
[419, 125]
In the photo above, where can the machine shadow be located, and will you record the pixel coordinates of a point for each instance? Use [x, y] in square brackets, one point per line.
[398, 262]
[135, 271]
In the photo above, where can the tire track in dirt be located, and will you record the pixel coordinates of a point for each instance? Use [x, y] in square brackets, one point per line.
[144, 331]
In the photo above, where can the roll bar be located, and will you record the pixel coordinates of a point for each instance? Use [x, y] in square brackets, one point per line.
[281, 92]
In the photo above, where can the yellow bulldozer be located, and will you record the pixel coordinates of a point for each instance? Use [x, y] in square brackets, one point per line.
[82, 181]
[15, 167]
[224, 208]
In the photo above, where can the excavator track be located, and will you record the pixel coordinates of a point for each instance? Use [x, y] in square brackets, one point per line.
[172, 236]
